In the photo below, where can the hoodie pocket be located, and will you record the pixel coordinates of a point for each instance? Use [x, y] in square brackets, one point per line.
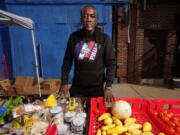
[87, 78]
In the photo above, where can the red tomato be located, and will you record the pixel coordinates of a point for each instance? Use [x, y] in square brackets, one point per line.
[175, 119]
[96, 111]
[171, 114]
[177, 129]
[171, 124]
[165, 119]
[156, 113]
[164, 111]
[177, 123]
[172, 130]
[176, 133]
[160, 115]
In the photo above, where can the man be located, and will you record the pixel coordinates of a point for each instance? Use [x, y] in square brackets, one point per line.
[92, 52]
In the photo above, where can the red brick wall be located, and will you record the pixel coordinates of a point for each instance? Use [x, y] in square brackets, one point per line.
[169, 57]
[153, 17]
[163, 17]
[122, 48]
[132, 45]
[138, 48]
[160, 16]
[138, 54]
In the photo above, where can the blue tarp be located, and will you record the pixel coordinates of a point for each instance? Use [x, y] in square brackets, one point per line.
[68, 1]
[54, 21]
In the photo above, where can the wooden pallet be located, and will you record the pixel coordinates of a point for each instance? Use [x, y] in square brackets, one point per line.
[26, 85]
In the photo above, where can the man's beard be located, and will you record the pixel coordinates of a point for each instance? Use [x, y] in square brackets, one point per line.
[89, 26]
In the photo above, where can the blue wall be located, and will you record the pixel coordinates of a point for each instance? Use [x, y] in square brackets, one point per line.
[5, 47]
[54, 21]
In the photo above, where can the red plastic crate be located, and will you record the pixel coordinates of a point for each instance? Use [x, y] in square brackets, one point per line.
[140, 111]
[157, 105]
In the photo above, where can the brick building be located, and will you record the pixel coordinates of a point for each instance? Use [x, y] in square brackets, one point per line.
[151, 51]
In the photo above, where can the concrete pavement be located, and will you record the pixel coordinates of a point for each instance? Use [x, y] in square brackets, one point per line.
[144, 91]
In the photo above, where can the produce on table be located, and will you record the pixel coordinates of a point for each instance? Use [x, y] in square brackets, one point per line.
[135, 132]
[108, 121]
[39, 127]
[108, 127]
[45, 117]
[26, 108]
[147, 127]
[119, 123]
[116, 121]
[50, 101]
[117, 130]
[147, 133]
[170, 120]
[104, 116]
[127, 126]
[96, 111]
[98, 132]
[161, 133]
[9, 105]
[121, 109]
[129, 121]
[104, 132]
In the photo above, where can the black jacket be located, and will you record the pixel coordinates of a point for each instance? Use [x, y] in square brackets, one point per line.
[90, 63]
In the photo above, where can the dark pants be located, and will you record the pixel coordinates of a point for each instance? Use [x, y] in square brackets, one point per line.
[80, 91]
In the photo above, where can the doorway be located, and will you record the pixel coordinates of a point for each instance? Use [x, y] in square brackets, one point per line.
[177, 56]
[153, 53]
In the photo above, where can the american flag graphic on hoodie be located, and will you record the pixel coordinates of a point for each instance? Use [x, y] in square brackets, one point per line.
[86, 50]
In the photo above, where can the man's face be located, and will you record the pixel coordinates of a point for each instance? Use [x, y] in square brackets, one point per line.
[89, 19]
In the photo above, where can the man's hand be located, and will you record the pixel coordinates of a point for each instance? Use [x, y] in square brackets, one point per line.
[108, 96]
[64, 91]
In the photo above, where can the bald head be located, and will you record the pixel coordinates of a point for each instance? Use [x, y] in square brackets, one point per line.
[84, 8]
[89, 18]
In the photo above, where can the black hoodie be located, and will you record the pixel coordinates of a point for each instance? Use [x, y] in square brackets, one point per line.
[91, 55]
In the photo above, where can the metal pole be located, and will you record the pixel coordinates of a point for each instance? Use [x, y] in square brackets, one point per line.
[36, 63]
[129, 23]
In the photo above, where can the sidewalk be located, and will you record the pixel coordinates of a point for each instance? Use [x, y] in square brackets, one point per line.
[142, 91]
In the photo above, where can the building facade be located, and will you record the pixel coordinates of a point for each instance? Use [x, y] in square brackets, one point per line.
[148, 46]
